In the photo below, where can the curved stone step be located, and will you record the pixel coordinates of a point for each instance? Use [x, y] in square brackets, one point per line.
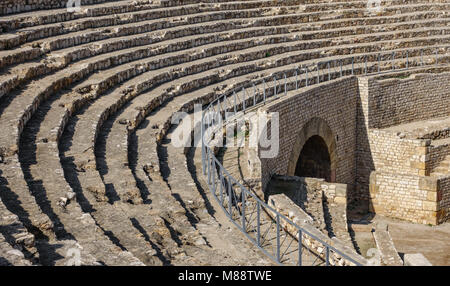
[107, 33]
[51, 16]
[42, 169]
[134, 227]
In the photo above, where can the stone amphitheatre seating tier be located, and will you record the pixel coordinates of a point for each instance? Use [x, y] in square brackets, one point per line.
[118, 7]
[37, 69]
[32, 35]
[17, 75]
[14, 6]
[171, 17]
[63, 79]
[77, 86]
[122, 29]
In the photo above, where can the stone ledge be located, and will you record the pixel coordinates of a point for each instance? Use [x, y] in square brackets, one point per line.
[388, 253]
[416, 259]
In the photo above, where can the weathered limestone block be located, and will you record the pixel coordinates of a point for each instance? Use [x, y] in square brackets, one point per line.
[383, 240]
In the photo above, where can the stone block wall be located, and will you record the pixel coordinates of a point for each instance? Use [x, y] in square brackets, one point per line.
[396, 168]
[391, 153]
[444, 199]
[436, 154]
[335, 103]
[408, 197]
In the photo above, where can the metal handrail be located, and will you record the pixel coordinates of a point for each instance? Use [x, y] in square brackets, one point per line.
[211, 164]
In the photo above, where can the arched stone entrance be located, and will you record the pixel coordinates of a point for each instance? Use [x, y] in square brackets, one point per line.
[314, 160]
[314, 152]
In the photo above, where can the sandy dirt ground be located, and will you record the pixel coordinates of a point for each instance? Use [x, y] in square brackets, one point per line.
[432, 241]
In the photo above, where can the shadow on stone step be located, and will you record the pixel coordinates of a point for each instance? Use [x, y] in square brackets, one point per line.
[133, 148]
[193, 171]
[165, 261]
[5, 262]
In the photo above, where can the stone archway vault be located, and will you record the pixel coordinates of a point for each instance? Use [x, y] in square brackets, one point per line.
[314, 127]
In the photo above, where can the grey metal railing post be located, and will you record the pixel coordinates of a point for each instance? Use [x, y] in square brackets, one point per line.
[278, 237]
[296, 78]
[234, 96]
[258, 223]
[329, 72]
[243, 209]
[393, 60]
[225, 107]
[379, 63]
[230, 210]
[209, 165]
[202, 132]
[275, 86]
[213, 170]
[223, 185]
[306, 79]
[353, 65]
[264, 91]
[327, 256]
[243, 98]
[318, 73]
[365, 65]
[254, 94]
[285, 84]
[228, 185]
[340, 63]
[300, 247]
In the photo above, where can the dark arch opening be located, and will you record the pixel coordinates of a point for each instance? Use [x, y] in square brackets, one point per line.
[314, 160]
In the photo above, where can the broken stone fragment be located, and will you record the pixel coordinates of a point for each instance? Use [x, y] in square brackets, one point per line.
[70, 195]
[200, 241]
